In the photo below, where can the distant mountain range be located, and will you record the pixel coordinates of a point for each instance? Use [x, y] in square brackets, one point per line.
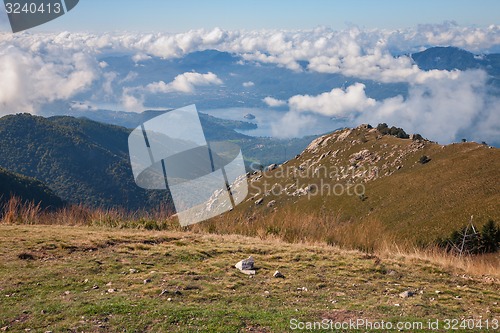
[270, 79]
[451, 58]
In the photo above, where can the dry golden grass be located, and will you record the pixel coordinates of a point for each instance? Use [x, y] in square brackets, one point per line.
[289, 225]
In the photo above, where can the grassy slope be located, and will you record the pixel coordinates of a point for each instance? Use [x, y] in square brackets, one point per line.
[410, 201]
[55, 290]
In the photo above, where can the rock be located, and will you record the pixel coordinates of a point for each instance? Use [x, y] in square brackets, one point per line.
[169, 299]
[111, 291]
[259, 202]
[133, 271]
[246, 266]
[278, 275]
[407, 294]
[67, 292]
[147, 281]
[271, 204]
[95, 287]
[272, 167]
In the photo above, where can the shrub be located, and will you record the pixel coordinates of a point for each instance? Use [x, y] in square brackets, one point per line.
[468, 241]
[424, 159]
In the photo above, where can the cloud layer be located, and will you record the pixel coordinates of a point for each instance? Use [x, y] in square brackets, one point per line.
[441, 108]
[40, 68]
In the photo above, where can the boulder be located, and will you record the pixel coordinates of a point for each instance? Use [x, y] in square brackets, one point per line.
[246, 266]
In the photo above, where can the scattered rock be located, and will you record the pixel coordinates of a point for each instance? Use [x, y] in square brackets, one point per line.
[26, 256]
[407, 294]
[272, 167]
[271, 204]
[278, 275]
[246, 266]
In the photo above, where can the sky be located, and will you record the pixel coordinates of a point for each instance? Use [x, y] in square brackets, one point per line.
[360, 39]
[183, 15]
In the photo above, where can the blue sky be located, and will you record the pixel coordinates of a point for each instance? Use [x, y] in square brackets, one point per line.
[182, 15]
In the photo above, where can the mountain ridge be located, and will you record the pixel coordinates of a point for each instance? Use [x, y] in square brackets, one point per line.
[414, 190]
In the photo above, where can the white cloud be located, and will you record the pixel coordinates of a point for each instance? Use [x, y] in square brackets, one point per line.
[132, 103]
[248, 84]
[29, 81]
[38, 68]
[337, 102]
[440, 107]
[185, 83]
[273, 102]
[291, 124]
[140, 57]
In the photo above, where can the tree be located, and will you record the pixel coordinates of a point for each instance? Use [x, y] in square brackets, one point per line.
[490, 237]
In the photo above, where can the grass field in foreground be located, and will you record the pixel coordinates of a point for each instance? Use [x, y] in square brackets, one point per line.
[80, 279]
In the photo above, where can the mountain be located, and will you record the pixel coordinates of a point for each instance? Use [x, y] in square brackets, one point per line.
[27, 190]
[87, 162]
[354, 180]
[446, 58]
[261, 150]
[82, 161]
[453, 58]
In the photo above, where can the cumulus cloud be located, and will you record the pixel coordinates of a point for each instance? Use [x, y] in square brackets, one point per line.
[441, 107]
[338, 102]
[291, 124]
[140, 57]
[132, 103]
[28, 81]
[185, 83]
[273, 102]
[40, 68]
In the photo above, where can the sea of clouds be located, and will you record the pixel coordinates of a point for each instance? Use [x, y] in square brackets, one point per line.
[38, 68]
